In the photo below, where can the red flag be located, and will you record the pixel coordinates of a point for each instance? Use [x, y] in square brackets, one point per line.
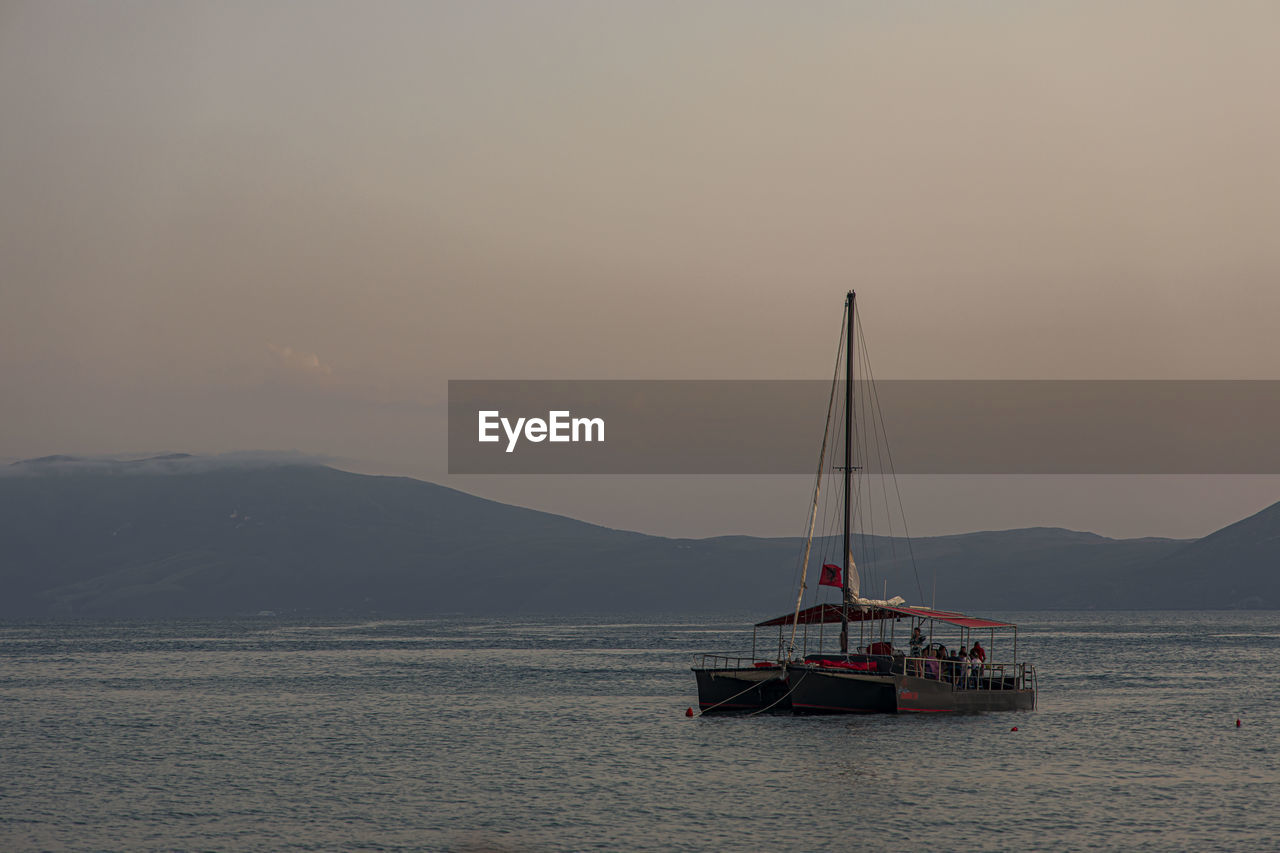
[831, 575]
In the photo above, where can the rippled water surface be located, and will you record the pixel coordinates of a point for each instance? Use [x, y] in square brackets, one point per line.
[451, 734]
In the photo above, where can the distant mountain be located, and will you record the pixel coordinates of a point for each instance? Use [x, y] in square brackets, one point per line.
[1235, 567]
[96, 539]
[1028, 569]
[181, 536]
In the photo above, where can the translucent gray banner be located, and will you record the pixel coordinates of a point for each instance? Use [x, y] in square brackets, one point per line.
[932, 427]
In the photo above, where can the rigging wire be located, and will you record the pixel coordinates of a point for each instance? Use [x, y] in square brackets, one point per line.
[906, 533]
[874, 441]
[816, 491]
[834, 502]
[864, 481]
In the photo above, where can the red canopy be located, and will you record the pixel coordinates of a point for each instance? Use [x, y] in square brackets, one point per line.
[952, 617]
[819, 613]
[826, 613]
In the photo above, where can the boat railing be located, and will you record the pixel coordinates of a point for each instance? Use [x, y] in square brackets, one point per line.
[732, 660]
[970, 676]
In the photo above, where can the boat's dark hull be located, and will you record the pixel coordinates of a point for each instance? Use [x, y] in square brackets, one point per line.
[815, 690]
[820, 690]
[926, 695]
[754, 689]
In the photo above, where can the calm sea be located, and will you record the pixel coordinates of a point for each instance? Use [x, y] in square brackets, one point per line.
[471, 735]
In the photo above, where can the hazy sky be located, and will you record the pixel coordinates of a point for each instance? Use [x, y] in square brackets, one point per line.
[251, 225]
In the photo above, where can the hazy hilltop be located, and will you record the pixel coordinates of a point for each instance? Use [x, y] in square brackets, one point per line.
[98, 539]
[180, 536]
[1237, 566]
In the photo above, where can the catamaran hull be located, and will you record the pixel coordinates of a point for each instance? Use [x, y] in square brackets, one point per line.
[928, 696]
[726, 690]
[820, 691]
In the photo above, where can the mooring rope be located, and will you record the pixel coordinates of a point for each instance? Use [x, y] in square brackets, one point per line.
[752, 686]
[783, 696]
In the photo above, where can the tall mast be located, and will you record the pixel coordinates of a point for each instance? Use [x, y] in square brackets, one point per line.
[848, 468]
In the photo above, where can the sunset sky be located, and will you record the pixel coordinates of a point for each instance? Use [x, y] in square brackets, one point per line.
[286, 225]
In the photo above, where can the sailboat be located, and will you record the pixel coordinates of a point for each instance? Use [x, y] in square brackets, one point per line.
[887, 670]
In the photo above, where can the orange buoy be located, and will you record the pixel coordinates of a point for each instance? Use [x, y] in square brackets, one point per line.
[688, 712]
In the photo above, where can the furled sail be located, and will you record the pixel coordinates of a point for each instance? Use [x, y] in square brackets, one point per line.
[896, 601]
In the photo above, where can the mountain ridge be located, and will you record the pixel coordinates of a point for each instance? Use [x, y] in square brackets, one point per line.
[190, 538]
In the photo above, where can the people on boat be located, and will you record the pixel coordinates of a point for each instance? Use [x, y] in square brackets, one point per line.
[977, 656]
[917, 647]
[962, 667]
[932, 666]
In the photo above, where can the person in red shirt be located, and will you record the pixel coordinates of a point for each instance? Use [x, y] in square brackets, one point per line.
[977, 656]
[978, 652]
